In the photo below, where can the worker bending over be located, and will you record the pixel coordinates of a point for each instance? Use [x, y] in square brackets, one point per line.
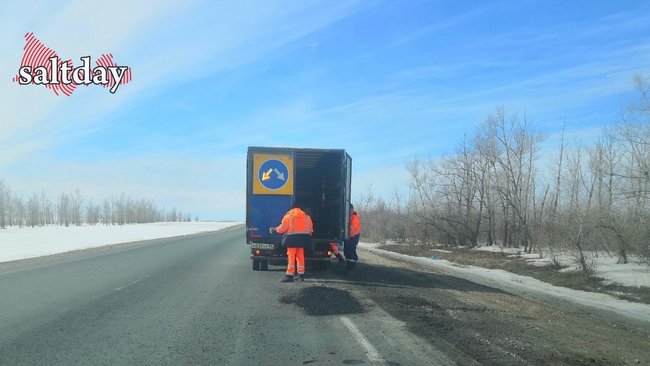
[297, 227]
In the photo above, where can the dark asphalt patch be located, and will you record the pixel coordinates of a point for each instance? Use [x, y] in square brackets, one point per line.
[321, 300]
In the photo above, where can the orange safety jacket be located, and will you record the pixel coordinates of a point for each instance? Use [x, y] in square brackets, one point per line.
[296, 222]
[355, 224]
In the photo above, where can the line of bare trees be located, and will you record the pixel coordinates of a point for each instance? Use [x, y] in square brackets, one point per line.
[73, 209]
[499, 188]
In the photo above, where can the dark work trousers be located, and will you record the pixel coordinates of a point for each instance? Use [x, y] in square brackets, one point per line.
[350, 248]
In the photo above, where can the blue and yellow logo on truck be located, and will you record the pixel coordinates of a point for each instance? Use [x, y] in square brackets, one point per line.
[274, 174]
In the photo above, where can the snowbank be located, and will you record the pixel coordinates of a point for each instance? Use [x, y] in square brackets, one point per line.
[629, 274]
[525, 286]
[21, 243]
[498, 249]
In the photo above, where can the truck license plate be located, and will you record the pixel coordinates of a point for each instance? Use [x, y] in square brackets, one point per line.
[262, 246]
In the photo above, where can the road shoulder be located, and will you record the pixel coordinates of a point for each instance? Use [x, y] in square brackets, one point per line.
[476, 324]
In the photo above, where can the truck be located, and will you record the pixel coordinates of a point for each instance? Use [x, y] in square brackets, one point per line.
[318, 179]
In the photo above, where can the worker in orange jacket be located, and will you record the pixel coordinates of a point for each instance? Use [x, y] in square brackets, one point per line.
[297, 228]
[350, 245]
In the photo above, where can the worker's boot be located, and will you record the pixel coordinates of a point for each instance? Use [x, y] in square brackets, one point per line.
[287, 278]
[340, 258]
[300, 277]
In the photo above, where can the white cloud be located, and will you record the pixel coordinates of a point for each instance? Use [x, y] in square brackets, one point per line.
[34, 114]
[171, 43]
[164, 42]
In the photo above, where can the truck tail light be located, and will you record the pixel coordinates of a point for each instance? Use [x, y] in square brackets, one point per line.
[329, 253]
[257, 251]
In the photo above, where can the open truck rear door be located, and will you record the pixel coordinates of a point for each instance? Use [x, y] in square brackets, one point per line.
[347, 199]
[319, 179]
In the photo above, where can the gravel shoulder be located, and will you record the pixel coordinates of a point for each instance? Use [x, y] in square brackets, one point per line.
[475, 324]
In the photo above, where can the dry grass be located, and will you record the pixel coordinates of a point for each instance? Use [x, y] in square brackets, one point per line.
[550, 273]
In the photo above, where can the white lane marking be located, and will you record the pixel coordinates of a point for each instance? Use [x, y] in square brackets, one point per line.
[129, 284]
[372, 353]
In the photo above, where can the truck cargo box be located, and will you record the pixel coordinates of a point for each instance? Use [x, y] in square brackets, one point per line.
[319, 179]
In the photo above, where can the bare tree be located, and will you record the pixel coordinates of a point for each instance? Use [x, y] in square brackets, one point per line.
[33, 211]
[69, 210]
[4, 205]
[64, 210]
[594, 198]
[514, 156]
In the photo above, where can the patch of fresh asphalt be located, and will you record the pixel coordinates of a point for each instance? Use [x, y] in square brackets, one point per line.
[189, 300]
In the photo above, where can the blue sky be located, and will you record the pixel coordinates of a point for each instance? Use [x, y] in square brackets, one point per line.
[388, 81]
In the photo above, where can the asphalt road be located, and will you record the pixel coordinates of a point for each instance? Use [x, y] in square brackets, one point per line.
[190, 300]
[196, 301]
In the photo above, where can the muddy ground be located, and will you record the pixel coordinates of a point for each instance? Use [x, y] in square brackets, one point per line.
[551, 274]
[471, 323]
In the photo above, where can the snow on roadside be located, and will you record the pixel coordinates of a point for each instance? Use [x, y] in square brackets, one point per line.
[498, 249]
[441, 251]
[605, 267]
[27, 242]
[629, 274]
[525, 286]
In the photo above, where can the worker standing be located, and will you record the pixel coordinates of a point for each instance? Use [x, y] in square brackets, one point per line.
[297, 227]
[350, 247]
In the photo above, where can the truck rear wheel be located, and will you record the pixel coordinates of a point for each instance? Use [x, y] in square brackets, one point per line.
[264, 265]
[256, 264]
